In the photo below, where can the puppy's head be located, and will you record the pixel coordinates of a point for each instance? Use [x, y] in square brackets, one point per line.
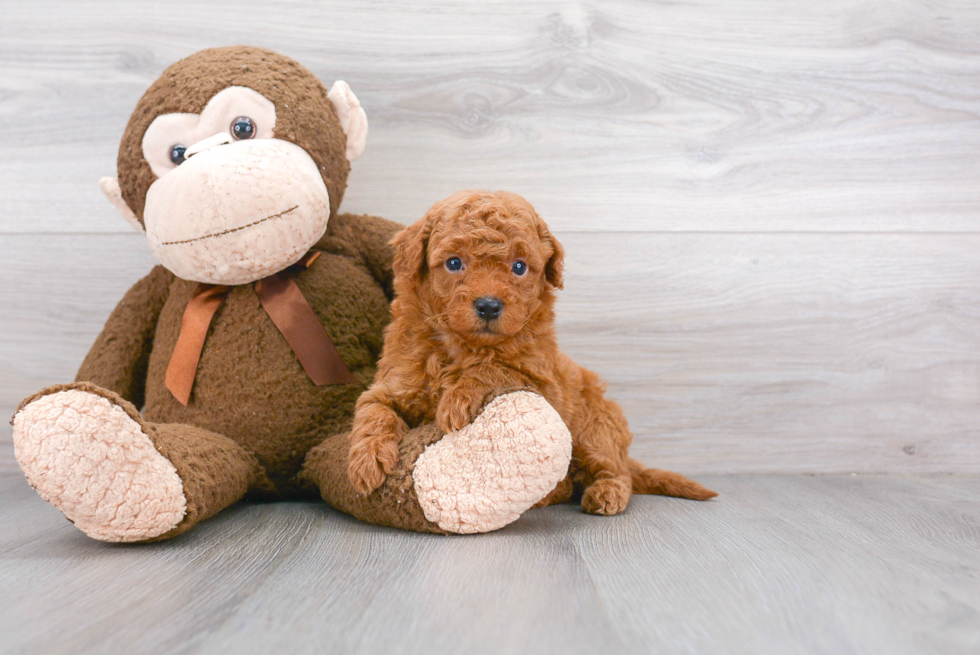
[481, 264]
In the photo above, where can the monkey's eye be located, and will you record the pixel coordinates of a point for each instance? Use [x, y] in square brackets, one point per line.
[519, 268]
[243, 128]
[177, 154]
[454, 263]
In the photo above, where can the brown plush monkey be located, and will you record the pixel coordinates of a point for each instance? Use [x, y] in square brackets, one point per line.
[248, 346]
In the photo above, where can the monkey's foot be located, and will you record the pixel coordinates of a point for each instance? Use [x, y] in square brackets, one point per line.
[90, 458]
[485, 475]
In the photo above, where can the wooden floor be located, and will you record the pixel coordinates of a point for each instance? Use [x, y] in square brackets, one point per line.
[778, 564]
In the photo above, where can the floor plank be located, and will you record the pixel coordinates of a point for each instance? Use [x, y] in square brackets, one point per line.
[787, 564]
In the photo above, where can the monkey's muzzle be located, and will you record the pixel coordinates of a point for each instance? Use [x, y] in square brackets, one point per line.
[237, 212]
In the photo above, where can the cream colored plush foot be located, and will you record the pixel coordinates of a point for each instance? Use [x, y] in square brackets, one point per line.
[90, 459]
[485, 475]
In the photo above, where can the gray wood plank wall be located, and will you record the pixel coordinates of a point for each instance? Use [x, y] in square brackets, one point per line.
[771, 209]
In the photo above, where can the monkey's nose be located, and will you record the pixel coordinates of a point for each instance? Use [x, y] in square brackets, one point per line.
[219, 139]
[488, 308]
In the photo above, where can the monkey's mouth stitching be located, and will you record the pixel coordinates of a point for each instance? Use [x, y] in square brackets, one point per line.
[234, 229]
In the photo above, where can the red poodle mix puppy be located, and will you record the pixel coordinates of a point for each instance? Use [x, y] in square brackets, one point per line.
[473, 314]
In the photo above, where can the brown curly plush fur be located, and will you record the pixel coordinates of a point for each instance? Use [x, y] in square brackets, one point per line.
[441, 360]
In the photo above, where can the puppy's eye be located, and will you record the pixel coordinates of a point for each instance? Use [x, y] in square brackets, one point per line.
[519, 268]
[243, 128]
[454, 263]
[177, 154]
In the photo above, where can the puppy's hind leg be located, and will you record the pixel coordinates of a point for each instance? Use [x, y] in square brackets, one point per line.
[609, 491]
[560, 494]
[601, 466]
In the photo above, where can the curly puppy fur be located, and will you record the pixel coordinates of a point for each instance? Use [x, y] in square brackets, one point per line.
[444, 353]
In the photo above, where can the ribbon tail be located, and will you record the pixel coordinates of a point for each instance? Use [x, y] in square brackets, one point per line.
[194, 325]
[291, 312]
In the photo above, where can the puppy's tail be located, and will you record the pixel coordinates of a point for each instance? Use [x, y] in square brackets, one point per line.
[666, 483]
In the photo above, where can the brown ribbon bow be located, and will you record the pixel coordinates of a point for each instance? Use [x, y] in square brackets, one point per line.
[283, 301]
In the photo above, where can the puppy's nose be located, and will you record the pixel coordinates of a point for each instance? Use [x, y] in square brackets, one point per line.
[488, 308]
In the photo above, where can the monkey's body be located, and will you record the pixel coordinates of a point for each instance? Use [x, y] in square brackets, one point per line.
[250, 387]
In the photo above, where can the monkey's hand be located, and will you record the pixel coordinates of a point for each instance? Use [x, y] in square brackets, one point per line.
[373, 446]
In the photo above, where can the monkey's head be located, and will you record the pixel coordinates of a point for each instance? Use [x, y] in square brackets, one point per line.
[233, 162]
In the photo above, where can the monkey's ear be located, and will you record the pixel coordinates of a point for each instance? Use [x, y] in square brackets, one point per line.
[353, 120]
[110, 187]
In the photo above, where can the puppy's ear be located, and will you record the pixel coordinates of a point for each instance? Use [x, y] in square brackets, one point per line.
[556, 263]
[410, 245]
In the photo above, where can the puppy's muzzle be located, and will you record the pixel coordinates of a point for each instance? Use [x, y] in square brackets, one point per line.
[488, 308]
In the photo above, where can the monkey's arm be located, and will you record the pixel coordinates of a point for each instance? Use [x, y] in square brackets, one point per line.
[118, 359]
[367, 237]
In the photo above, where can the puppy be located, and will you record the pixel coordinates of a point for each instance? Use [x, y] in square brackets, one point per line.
[473, 314]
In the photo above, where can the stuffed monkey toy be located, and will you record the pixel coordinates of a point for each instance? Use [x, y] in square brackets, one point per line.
[247, 347]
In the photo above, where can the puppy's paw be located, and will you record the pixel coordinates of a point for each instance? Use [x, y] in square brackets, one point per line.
[369, 462]
[606, 497]
[457, 409]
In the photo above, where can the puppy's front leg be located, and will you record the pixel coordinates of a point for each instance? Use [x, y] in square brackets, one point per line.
[458, 407]
[374, 440]
[461, 402]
